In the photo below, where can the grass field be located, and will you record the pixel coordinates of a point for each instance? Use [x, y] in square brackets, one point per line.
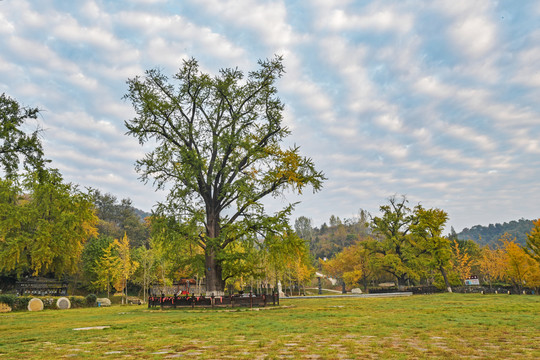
[429, 326]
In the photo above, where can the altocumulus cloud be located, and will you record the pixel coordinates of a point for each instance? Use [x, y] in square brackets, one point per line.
[436, 100]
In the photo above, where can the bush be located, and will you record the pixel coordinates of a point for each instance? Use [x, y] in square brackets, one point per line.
[91, 299]
[8, 299]
[48, 302]
[15, 302]
[78, 301]
[21, 302]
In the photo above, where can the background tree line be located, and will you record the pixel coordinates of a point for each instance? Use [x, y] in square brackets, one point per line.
[406, 246]
[490, 234]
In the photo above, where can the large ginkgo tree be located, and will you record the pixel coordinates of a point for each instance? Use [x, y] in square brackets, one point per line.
[217, 149]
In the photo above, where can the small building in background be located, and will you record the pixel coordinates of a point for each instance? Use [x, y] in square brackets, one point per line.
[473, 280]
[41, 287]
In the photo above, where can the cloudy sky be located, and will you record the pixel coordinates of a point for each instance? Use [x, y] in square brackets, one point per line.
[438, 100]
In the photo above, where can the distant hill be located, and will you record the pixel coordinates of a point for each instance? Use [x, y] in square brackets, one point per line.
[142, 214]
[491, 234]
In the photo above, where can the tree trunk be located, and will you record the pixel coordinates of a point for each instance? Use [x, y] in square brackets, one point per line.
[213, 269]
[517, 286]
[445, 277]
[402, 281]
[144, 283]
[214, 279]
[365, 282]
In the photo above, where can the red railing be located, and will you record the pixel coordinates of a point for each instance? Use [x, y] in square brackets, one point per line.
[193, 301]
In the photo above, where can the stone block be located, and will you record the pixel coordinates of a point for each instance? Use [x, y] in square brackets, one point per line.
[35, 304]
[103, 302]
[63, 303]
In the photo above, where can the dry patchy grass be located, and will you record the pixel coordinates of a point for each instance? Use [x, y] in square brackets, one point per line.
[418, 327]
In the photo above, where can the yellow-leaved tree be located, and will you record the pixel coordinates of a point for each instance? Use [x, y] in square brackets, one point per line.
[43, 224]
[462, 263]
[350, 265]
[107, 269]
[492, 264]
[533, 249]
[302, 270]
[521, 269]
[126, 266]
[533, 241]
[286, 257]
[115, 266]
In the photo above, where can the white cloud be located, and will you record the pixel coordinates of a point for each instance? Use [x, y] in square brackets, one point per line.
[392, 123]
[475, 36]
[80, 80]
[91, 9]
[430, 85]
[434, 100]
[6, 27]
[458, 8]
[149, 2]
[37, 53]
[117, 73]
[374, 20]
[528, 62]
[455, 156]
[171, 38]
[348, 61]
[460, 132]
[31, 20]
[268, 20]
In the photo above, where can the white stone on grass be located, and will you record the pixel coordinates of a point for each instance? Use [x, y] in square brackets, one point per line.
[92, 328]
[35, 304]
[103, 302]
[63, 303]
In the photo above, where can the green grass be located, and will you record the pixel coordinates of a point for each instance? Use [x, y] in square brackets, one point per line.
[431, 326]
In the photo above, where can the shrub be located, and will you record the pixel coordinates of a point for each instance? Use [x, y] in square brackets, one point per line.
[77, 301]
[21, 302]
[8, 299]
[48, 302]
[91, 299]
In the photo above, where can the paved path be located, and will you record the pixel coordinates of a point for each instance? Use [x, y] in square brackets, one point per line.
[330, 290]
[395, 294]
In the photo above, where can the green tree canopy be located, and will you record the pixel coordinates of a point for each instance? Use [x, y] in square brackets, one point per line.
[107, 268]
[94, 248]
[327, 241]
[429, 243]
[393, 229]
[43, 225]
[119, 217]
[14, 141]
[411, 241]
[218, 151]
[533, 241]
